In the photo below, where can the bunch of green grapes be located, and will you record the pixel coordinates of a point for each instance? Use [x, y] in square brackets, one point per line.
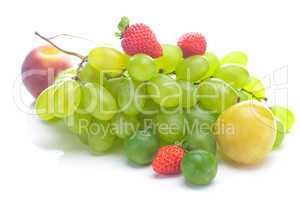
[147, 102]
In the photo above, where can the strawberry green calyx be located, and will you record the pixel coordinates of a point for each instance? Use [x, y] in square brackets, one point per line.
[122, 26]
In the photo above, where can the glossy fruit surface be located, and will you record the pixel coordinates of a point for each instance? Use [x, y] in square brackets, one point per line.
[79, 123]
[41, 66]
[141, 147]
[68, 73]
[107, 60]
[246, 132]
[98, 101]
[100, 137]
[200, 139]
[44, 105]
[284, 115]
[141, 67]
[199, 118]
[124, 126]
[199, 167]
[236, 75]
[216, 95]
[256, 87]
[235, 57]
[170, 126]
[90, 74]
[164, 91]
[188, 94]
[131, 97]
[192, 69]
[280, 134]
[171, 57]
[213, 62]
[67, 98]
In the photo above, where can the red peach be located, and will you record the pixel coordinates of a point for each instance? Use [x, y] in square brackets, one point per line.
[41, 66]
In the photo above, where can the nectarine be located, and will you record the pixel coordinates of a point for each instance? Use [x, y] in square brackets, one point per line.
[41, 66]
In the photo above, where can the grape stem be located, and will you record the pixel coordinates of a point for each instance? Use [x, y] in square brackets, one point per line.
[57, 47]
[71, 36]
[79, 68]
[253, 95]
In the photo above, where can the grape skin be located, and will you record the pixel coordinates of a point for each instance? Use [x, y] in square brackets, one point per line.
[67, 98]
[107, 60]
[100, 137]
[213, 62]
[188, 94]
[131, 97]
[98, 101]
[124, 126]
[192, 69]
[235, 57]
[44, 106]
[141, 67]
[172, 56]
[216, 95]
[236, 75]
[170, 126]
[164, 91]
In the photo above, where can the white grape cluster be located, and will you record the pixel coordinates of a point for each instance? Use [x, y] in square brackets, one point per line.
[112, 95]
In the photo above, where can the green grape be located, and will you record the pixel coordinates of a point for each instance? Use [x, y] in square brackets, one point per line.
[108, 60]
[141, 67]
[84, 138]
[67, 98]
[150, 108]
[200, 139]
[100, 137]
[164, 91]
[124, 126]
[172, 56]
[78, 123]
[66, 74]
[44, 105]
[90, 74]
[200, 119]
[131, 97]
[280, 133]
[170, 126]
[199, 167]
[213, 62]
[244, 96]
[188, 94]
[235, 57]
[98, 101]
[236, 75]
[141, 147]
[256, 87]
[113, 85]
[216, 95]
[284, 115]
[192, 68]
[147, 115]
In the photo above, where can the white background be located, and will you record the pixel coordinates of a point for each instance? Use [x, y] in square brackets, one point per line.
[42, 161]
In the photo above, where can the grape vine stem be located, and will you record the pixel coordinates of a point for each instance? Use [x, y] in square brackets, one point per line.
[71, 36]
[57, 47]
[253, 95]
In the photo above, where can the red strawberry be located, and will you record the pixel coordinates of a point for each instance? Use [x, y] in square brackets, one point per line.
[138, 38]
[167, 160]
[192, 44]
